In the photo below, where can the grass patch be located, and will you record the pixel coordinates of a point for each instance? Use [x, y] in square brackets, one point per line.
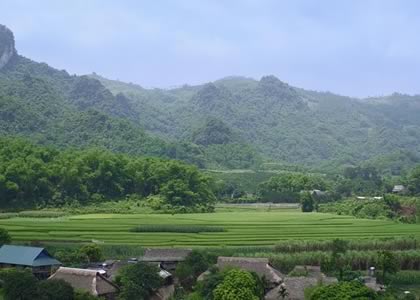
[176, 228]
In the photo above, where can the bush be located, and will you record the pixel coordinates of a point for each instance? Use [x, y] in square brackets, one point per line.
[55, 290]
[405, 278]
[138, 281]
[237, 285]
[177, 228]
[5, 237]
[92, 252]
[19, 284]
[193, 265]
[343, 291]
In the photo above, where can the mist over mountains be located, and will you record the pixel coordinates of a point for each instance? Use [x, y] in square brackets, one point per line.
[234, 122]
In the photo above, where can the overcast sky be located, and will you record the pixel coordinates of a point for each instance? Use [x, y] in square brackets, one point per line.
[358, 48]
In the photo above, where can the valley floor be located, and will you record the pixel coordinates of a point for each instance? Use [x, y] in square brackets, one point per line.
[242, 227]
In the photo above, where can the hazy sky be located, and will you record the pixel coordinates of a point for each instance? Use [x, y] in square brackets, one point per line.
[352, 47]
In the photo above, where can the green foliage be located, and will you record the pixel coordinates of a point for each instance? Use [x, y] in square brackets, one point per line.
[236, 285]
[138, 281]
[245, 119]
[284, 123]
[408, 277]
[18, 284]
[55, 290]
[176, 228]
[361, 208]
[5, 237]
[206, 287]
[414, 181]
[92, 251]
[307, 202]
[34, 176]
[80, 295]
[71, 257]
[337, 261]
[388, 263]
[286, 187]
[193, 265]
[353, 290]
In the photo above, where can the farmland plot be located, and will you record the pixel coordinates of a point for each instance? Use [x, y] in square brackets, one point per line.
[237, 228]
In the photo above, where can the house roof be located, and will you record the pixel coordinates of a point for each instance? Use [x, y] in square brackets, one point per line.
[295, 287]
[260, 266]
[87, 280]
[398, 188]
[26, 256]
[165, 255]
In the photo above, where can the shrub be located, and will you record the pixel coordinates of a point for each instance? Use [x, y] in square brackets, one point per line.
[55, 290]
[343, 291]
[176, 228]
[19, 284]
[237, 285]
[92, 252]
[138, 281]
[5, 237]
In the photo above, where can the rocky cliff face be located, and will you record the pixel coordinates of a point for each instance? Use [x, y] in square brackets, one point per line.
[7, 45]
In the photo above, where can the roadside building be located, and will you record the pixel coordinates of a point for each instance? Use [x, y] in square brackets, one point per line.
[37, 259]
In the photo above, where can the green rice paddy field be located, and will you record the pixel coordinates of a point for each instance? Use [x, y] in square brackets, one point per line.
[241, 228]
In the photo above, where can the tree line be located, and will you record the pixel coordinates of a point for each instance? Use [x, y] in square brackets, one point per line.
[36, 176]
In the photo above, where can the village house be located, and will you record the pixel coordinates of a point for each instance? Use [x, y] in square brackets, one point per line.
[90, 281]
[301, 278]
[399, 189]
[37, 259]
[166, 258]
[260, 266]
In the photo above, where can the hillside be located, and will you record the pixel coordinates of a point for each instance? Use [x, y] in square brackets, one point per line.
[234, 122]
[286, 123]
[52, 107]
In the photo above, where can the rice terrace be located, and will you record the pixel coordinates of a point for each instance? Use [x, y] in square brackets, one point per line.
[245, 227]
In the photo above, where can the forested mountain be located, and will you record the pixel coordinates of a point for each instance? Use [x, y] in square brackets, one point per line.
[285, 123]
[52, 107]
[235, 122]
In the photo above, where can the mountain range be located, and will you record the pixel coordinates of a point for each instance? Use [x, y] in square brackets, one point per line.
[234, 122]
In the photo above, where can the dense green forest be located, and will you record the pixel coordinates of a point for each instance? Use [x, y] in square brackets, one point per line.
[35, 176]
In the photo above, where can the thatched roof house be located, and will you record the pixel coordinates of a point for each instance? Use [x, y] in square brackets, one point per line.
[90, 281]
[295, 286]
[167, 258]
[260, 266]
